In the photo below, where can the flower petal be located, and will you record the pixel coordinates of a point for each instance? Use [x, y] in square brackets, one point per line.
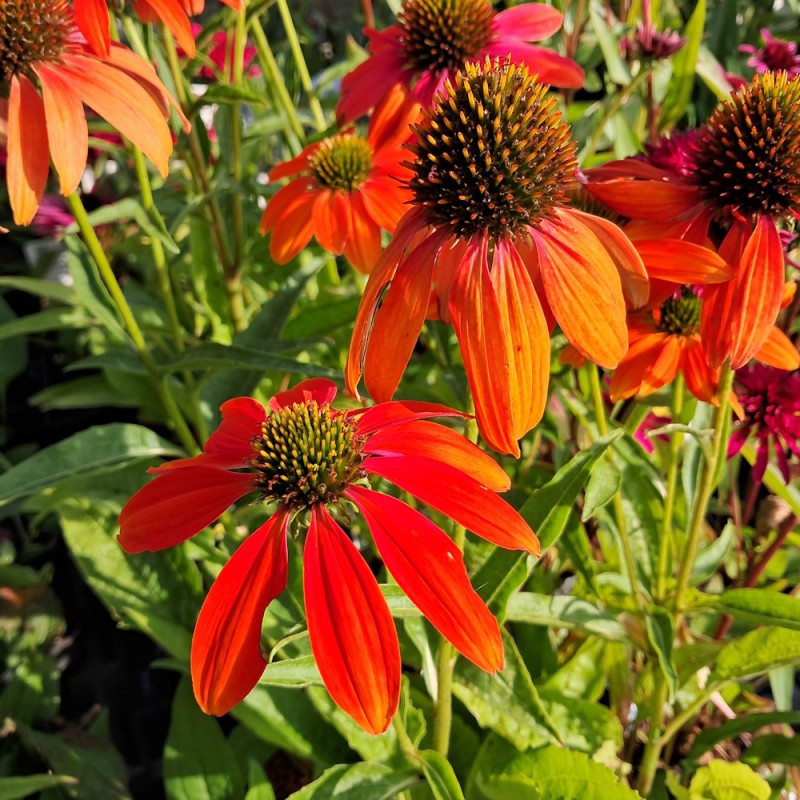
[352, 633]
[177, 505]
[91, 17]
[549, 67]
[530, 22]
[226, 647]
[430, 569]
[430, 440]
[288, 215]
[664, 369]
[28, 155]
[583, 288]
[173, 15]
[701, 380]
[779, 351]
[331, 220]
[67, 131]
[680, 261]
[651, 200]
[385, 415]
[629, 374]
[389, 123]
[319, 390]
[459, 497]
[363, 248]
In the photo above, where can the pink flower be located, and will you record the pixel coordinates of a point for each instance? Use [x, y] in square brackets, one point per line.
[433, 39]
[777, 55]
[218, 50]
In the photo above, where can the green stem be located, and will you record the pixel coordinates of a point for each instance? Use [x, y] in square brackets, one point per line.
[652, 750]
[710, 469]
[302, 67]
[131, 325]
[272, 71]
[675, 444]
[619, 511]
[446, 658]
[240, 40]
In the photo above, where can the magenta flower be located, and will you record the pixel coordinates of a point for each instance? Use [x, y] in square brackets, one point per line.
[770, 400]
[433, 39]
[777, 55]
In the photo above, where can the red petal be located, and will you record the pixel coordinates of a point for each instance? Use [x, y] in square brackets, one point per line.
[629, 374]
[549, 67]
[459, 497]
[331, 220]
[177, 505]
[319, 390]
[363, 248]
[294, 165]
[583, 288]
[739, 316]
[351, 629]
[226, 646]
[430, 569]
[91, 17]
[28, 156]
[429, 440]
[683, 262]
[530, 22]
[653, 200]
[67, 132]
[389, 124]
[700, 379]
[173, 15]
[384, 415]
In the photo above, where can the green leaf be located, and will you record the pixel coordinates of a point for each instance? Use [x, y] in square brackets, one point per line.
[661, 636]
[90, 452]
[604, 482]
[260, 787]
[710, 558]
[51, 319]
[772, 748]
[440, 776]
[358, 782]
[34, 689]
[617, 70]
[21, 788]
[49, 290]
[15, 352]
[507, 702]
[563, 611]
[548, 773]
[722, 780]
[761, 606]
[732, 728]
[198, 761]
[88, 391]
[757, 652]
[547, 510]
[298, 672]
[684, 63]
[499, 576]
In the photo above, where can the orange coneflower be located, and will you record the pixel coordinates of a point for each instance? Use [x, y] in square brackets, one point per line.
[432, 39]
[48, 73]
[93, 22]
[316, 463]
[742, 171]
[348, 187]
[489, 233]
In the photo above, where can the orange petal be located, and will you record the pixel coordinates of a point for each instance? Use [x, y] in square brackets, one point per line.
[665, 367]
[351, 629]
[28, 156]
[778, 351]
[288, 215]
[583, 288]
[629, 374]
[331, 220]
[363, 248]
[632, 272]
[226, 657]
[385, 199]
[91, 17]
[173, 15]
[389, 125]
[683, 262]
[67, 131]
[478, 323]
[701, 380]
[430, 570]
[738, 317]
[399, 320]
[650, 200]
[294, 165]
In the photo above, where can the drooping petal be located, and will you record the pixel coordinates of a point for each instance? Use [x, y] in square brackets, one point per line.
[583, 288]
[67, 132]
[331, 220]
[700, 379]
[173, 15]
[390, 121]
[293, 166]
[739, 315]
[476, 316]
[431, 440]
[458, 496]
[385, 415]
[430, 569]
[664, 368]
[91, 17]
[177, 505]
[363, 248]
[385, 198]
[779, 351]
[226, 657]
[651, 200]
[350, 626]
[399, 320]
[28, 156]
[288, 216]
[629, 374]
[550, 67]
[530, 22]
[319, 390]
[680, 261]
[631, 269]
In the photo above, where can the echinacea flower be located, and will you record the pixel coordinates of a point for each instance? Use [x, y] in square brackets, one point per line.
[433, 39]
[490, 246]
[348, 187]
[746, 178]
[218, 51]
[93, 21]
[316, 463]
[777, 55]
[770, 400]
[48, 73]
[646, 41]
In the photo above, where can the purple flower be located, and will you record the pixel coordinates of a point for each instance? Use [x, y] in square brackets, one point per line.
[675, 152]
[777, 55]
[647, 42]
[770, 400]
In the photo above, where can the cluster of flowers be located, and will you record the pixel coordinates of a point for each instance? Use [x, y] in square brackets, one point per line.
[668, 262]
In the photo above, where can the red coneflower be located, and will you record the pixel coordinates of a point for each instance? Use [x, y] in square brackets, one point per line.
[93, 22]
[348, 187]
[48, 73]
[745, 176]
[490, 236]
[777, 55]
[316, 463]
[433, 39]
